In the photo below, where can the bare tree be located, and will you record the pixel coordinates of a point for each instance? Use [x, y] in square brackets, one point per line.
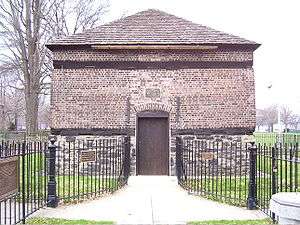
[15, 107]
[260, 120]
[25, 27]
[295, 121]
[270, 116]
[44, 116]
[2, 103]
[71, 17]
[12, 105]
[286, 116]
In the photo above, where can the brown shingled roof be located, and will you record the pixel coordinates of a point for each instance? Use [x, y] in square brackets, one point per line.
[151, 27]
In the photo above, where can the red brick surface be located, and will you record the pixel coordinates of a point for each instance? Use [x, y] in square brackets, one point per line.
[209, 98]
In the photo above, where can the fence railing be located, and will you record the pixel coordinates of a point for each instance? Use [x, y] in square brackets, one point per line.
[87, 168]
[23, 180]
[215, 169]
[278, 170]
[35, 174]
[241, 174]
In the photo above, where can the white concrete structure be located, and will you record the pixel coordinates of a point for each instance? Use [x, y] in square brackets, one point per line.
[287, 207]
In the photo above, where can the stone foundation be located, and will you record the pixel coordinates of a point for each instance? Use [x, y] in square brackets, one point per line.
[232, 154]
[109, 153]
[216, 154]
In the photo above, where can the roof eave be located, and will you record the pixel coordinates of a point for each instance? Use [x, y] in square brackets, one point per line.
[151, 46]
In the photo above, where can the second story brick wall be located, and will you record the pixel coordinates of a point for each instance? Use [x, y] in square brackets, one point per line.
[90, 97]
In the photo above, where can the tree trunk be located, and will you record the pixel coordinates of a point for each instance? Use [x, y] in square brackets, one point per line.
[285, 127]
[271, 127]
[32, 103]
[2, 118]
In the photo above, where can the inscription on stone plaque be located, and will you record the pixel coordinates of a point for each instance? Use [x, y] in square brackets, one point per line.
[9, 176]
[88, 156]
[207, 155]
[248, 138]
[152, 93]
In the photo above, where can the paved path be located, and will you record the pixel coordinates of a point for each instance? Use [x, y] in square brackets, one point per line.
[151, 200]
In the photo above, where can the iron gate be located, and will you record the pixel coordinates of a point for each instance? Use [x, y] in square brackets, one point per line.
[241, 174]
[35, 174]
[86, 168]
[217, 170]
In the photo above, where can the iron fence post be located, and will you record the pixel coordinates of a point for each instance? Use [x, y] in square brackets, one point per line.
[52, 199]
[274, 172]
[251, 200]
[23, 183]
[178, 158]
[127, 158]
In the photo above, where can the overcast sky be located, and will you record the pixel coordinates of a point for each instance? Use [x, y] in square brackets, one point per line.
[274, 24]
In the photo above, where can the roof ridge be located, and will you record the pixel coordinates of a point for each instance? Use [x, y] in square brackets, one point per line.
[169, 14]
[151, 26]
[198, 24]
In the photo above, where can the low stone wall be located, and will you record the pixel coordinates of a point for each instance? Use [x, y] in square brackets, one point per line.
[107, 152]
[215, 155]
[232, 154]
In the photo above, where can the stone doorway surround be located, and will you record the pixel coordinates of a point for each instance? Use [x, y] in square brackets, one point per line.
[153, 109]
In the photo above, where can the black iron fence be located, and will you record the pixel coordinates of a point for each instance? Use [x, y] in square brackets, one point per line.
[88, 168]
[36, 174]
[215, 169]
[242, 174]
[23, 180]
[278, 170]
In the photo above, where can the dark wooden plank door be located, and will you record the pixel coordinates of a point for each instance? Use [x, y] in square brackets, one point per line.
[153, 146]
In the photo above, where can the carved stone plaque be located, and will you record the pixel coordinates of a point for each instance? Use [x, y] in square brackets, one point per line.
[70, 138]
[88, 156]
[152, 93]
[9, 176]
[207, 155]
[248, 138]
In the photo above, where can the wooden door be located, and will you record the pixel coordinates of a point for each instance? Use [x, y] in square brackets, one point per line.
[153, 146]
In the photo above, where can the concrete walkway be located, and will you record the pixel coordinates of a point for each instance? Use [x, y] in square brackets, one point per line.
[151, 200]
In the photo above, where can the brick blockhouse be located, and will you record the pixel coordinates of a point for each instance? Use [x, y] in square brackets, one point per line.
[153, 75]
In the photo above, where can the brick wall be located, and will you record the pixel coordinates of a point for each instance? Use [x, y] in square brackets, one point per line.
[195, 98]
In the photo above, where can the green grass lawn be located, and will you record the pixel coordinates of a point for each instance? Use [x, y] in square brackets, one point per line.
[69, 188]
[40, 220]
[43, 220]
[287, 172]
[75, 187]
[231, 222]
[269, 139]
[233, 191]
[33, 174]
